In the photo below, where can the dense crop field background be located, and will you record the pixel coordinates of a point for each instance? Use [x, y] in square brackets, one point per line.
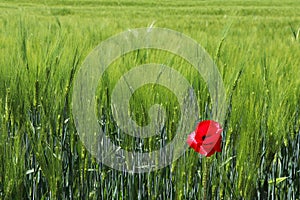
[256, 46]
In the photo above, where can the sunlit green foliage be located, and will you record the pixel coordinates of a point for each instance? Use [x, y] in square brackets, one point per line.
[255, 45]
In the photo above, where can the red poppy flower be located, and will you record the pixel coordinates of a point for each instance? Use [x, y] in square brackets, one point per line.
[206, 139]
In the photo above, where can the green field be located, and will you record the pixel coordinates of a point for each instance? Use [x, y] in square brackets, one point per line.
[256, 47]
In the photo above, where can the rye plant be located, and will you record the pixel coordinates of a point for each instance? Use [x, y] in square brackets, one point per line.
[255, 46]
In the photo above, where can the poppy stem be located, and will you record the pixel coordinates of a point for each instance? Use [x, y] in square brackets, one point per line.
[204, 181]
[207, 164]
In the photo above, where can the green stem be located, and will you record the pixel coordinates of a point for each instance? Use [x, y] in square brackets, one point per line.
[206, 167]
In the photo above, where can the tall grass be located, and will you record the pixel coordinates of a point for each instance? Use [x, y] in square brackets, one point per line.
[42, 47]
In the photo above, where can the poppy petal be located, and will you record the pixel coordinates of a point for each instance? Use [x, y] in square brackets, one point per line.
[192, 142]
[202, 151]
[218, 145]
[210, 153]
[201, 130]
[212, 139]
